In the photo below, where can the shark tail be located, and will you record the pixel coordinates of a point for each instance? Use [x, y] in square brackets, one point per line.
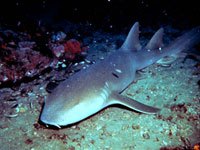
[184, 42]
[155, 50]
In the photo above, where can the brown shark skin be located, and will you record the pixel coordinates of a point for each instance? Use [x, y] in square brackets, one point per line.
[100, 85]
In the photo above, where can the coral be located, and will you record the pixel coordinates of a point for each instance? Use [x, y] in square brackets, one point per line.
[72, 47]
[18, 59]
[26, 55]
[67, 50]
[196, 147]
[21, 64]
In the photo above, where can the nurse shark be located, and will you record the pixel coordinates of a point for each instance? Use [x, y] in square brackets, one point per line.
[100, 85]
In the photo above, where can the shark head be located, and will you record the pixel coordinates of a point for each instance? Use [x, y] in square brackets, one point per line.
[68, 105]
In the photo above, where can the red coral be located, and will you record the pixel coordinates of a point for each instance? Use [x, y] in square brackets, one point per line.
[72, 47]
[67, 50]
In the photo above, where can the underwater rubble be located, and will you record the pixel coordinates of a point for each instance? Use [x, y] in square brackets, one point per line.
[22, 59]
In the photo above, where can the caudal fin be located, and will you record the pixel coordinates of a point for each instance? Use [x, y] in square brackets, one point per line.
[154, 49]
[184, 42]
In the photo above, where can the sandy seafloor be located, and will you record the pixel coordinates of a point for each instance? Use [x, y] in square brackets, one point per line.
[174, 89]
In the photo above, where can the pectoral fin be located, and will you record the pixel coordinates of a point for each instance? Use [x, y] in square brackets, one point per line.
[133, 104]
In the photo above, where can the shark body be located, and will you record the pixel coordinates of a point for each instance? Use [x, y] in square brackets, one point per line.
[100, 85]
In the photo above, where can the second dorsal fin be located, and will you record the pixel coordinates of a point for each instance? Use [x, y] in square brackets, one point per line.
[157, 40]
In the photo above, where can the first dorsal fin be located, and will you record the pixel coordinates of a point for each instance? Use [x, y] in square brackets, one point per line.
[157, 40]
[132, 40]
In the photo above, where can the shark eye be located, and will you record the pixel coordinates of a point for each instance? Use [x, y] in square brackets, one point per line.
[115, 75]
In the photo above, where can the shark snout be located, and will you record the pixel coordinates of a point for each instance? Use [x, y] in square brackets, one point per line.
[52, 124]
[49, 119]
